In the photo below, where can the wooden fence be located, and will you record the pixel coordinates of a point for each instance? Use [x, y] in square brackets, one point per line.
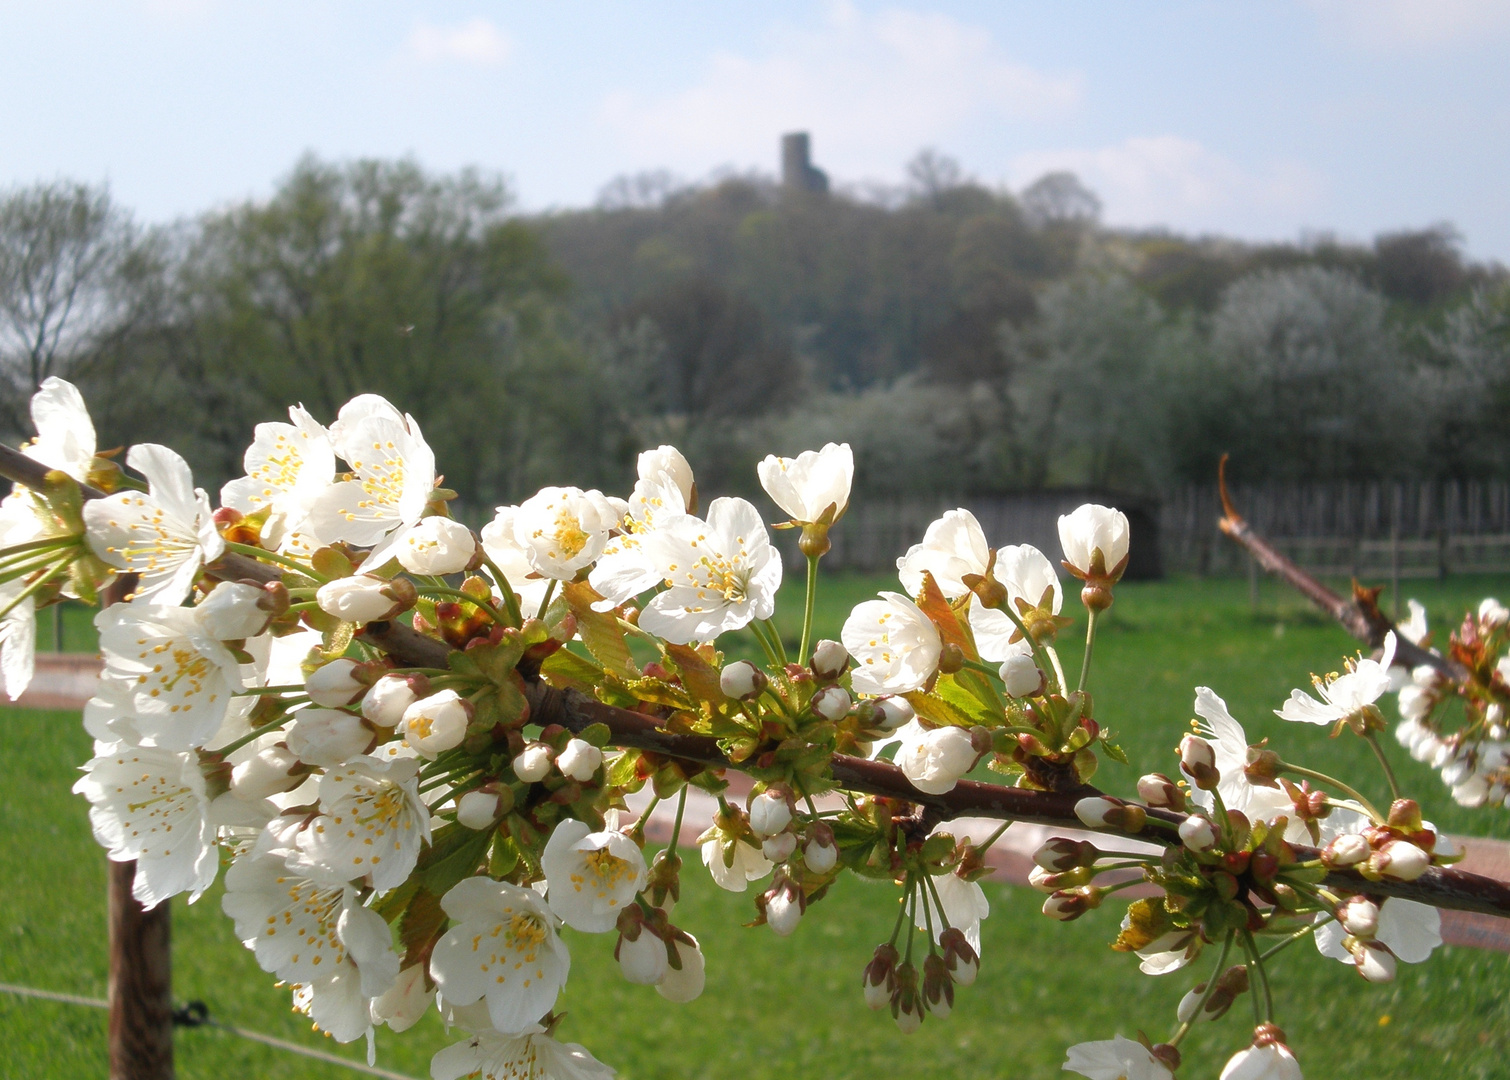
[1375, 529]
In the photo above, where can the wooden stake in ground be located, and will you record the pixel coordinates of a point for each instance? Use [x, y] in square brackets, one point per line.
[141, 962]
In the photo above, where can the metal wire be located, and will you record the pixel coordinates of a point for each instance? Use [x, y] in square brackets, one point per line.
[196, 1014]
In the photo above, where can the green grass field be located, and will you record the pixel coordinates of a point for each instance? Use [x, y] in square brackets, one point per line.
[789, 1008]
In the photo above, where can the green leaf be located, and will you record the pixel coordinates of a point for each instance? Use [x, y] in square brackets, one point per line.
[420, 926]
[698, 675]
[600, 630]
[460, 861]
[963, 690]
[939, 711]
[565, 668]
[1113, 751]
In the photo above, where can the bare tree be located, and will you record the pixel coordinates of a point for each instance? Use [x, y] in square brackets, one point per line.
[63, 250]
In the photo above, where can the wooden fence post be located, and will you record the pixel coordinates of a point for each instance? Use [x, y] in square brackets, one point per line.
[141, 960]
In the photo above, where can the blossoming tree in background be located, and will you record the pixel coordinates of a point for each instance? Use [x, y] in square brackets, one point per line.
[412, 745]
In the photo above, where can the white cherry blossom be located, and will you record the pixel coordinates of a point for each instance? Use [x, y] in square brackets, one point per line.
[65, 433]
[1094, 530]
[1343, 695]
[964, 906]
[150, 805]
[176, 680]
[592, 876]
[1410, 930]
[626, 568]
[502, 948]
[953, 546]
[393, 471]
[501, 546]
[531, 1055]
[934, 759]
[663, 463]
[813, 484]
[732, 863]
[1115, 1059]
[896, 647]
[165, 534]
[288, 467]
[563, 529]
[437, 545]
[721, 574]
[372, 822]
[1272, 1061]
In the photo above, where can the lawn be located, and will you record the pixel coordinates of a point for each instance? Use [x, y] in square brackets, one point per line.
[789, 1008]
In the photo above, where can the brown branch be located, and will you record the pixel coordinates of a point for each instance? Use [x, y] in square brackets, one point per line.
[1441, 887]
[1359, 616]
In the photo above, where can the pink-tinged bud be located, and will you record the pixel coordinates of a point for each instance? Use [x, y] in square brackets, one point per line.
[960, 956]
[533, 763]
[1198, 759]
[334, 684]
[579, 761]
[1198, 833]
[1051, 881]
[1374, 961]
[1070, 904]
[1100, 812]
[831, 703]
[477, 809]
[742, 680]
[830, 659]
[1156, 789]
[1349, 849]
[770, 812]
[1405, 815]
[880, 978]
[938, 987]
[1061, 853]
[892, 713]
[1400, 861]
[1359, 916]
[1020, 676]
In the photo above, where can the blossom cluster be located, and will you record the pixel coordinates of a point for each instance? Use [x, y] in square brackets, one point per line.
[378, 720]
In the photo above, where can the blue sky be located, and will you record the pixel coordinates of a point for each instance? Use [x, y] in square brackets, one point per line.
[1260, 120]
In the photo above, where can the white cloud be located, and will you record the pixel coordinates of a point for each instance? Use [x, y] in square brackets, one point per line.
[1169, 180]
[477, 41]
[872, 87]
[1410, 25]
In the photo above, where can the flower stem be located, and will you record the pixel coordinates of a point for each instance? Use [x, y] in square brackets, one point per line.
[1044, 665]
[896, 930]
[1389, 773]
[1221, 966]
[37, 586]
[770, 625]
[439, 590]
[807, 612]
[510, 598]
[250, 736]
[1323, 778]
[1309, 928]
[676, 828]
[545, 601]
[1257, 965]
[1090, 644]
[274, 557]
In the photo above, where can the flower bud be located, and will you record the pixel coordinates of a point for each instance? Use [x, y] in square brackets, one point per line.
[779, 848]
[364, 598]
[477, 809]
[820, 852]
[1405, 815]
[1198, 759]
[579, 761]
[334, 684]
[1100, 812]
[533, 763]
[1060, 853]
[906, 1001]
[1374, 961]
[1156, 789]
[879, 980]
[770, 813]
[951, 658]
[1070, 904]
[1198, 833]
[938, 987]
[830, 659]
[960, 956]
[1400, 861]
[385, 703]
[271, 771]
[436, 545]
[831, 703]
[233, 611]
[742, 680]
[1020, 675]
[892, 712]
[1050, 881]
[642, 960]
[1349, 849]
[327, 737]
[685, 983]
[437, 723]
[1359, 916]
[783, 907]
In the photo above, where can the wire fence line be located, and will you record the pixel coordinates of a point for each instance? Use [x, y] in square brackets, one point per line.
[197, 1014]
